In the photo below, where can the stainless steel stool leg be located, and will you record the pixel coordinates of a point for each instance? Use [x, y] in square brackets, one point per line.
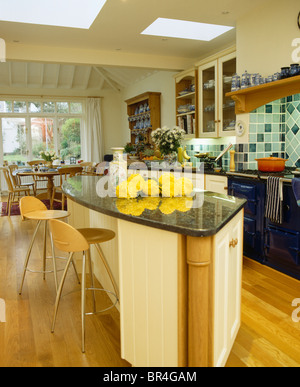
[58, 295]
[100, 252]
[44, 250]
[92, 280]
[54, 261]
[83, 286]
[28, 254]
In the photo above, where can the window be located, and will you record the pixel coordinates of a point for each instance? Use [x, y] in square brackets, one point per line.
[69, 138]
[28, 126]
[14, 139]
[41, 135]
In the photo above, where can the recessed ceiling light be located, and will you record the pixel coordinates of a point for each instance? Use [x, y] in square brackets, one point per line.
[185, 29]
[62, 13]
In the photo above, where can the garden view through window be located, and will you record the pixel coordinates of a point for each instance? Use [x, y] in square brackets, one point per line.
[29, 127]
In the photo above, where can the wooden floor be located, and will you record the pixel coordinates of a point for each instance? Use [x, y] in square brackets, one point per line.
[268, 337]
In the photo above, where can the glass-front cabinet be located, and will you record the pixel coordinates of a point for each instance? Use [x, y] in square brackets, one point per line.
[216, 111]
[187, 101]
[208, 112]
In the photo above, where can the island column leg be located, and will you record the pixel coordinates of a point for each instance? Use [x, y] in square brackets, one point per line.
[199, 258]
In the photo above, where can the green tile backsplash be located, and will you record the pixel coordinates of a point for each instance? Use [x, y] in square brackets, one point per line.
[274, 130]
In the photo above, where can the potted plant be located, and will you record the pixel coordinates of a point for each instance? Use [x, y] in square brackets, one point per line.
[168, 141]
[49, 157]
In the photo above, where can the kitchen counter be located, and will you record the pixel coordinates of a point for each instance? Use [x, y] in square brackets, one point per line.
[202, 215]
[139, 165]
[178, 265]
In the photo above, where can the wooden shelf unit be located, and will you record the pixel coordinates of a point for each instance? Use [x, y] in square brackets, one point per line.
[188, 120]
[247, 100]
[151, 115]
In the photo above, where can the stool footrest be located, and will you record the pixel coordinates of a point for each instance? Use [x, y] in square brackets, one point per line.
[46, 271]
[102, 310]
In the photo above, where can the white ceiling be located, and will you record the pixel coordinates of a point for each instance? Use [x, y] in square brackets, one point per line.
[117, 28]
[30, 75]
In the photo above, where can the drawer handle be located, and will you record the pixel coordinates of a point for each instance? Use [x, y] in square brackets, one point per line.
[233, 242]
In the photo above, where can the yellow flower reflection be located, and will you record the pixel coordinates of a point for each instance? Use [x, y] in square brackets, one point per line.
[167, 206]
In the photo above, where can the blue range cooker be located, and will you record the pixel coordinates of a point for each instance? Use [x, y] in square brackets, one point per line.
[272, 244]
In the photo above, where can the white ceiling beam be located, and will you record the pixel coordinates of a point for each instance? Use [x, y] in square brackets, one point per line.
[119, 76]
[72, 77]
[26, 74]
[87, 77]
[9, 75]
[107, 79]
[42, 75]
[57, 75]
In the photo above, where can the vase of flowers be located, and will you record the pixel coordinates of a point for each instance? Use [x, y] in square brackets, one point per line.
[168, 141]
[49, 157]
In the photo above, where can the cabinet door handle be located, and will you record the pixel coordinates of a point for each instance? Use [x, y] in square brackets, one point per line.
[233, 242]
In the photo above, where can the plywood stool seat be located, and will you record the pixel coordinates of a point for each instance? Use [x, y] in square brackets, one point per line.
[67, 238]
[32, 208]
[97, 235]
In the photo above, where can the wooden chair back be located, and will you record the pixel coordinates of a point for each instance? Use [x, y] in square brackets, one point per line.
[67, 238]
[32, 164]
[14, 178]
[30, 204]
[68, 172]
[88, 166]
[7, 178]
[36, 162]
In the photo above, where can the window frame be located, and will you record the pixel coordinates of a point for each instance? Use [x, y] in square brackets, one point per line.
[52, 115]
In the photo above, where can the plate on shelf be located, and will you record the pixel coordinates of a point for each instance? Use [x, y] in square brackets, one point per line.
[184, 92]
[240, 128]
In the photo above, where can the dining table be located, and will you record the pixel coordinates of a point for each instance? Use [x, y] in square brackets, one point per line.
[49, 174]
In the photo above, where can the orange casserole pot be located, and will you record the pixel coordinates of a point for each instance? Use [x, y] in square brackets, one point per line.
[271, 164]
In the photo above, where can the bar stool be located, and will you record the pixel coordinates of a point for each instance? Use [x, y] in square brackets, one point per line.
[71, 240]
[32, 208]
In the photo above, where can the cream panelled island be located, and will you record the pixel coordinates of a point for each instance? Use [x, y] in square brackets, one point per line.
[178, 265]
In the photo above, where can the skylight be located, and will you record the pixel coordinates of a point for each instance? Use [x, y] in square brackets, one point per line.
[185, 29]
[61, 13]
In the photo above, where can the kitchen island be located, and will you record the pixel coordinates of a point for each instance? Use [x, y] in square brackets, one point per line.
[178, 263]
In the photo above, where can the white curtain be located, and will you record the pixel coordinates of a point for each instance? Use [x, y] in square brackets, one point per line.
[92, 141]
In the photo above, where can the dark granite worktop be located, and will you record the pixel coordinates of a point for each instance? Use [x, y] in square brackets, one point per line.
[138, 165]
[202, 215]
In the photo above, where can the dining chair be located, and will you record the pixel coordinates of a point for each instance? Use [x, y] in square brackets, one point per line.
[16, 180]
[64, 173]
[12, 191]
[70, 240]
[88, 167]
[37, 179]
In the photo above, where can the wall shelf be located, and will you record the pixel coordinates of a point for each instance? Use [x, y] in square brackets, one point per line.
[247, 100]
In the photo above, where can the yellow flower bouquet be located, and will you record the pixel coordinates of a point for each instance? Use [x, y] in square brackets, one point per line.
[169, 194]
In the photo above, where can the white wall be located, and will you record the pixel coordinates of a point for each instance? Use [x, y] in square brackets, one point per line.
[264, 42]
[111, 121]
[265, 35]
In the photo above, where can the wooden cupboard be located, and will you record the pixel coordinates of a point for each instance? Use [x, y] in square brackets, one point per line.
[228, 260]
[216, 183]
[143, 116]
